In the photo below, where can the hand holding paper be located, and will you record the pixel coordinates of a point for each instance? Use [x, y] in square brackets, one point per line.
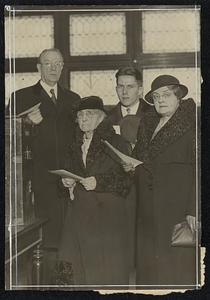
[35, 116]
[89, 183]
[128, 167]
[29, 110]
[126, 160]
[68, 179]
[68, 182]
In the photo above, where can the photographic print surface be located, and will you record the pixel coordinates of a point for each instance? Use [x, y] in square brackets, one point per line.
[129, 75]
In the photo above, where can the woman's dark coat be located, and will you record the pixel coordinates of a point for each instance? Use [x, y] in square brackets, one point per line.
[166, 194]
[95, 233]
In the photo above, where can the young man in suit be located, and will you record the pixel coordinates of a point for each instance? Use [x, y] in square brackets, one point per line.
[125, 118]
[129, 90]
[51, 127]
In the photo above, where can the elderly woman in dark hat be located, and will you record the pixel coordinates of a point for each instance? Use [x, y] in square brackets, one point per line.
[166, 184]
[94, 242]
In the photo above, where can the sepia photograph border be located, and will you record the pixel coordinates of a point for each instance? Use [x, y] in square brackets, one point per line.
[11, 11]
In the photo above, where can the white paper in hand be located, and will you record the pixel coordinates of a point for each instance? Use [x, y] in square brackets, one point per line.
[29, 110]
[124, 158]
[66, 174]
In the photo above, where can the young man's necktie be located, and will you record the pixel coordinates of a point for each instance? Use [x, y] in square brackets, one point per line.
[128, 110]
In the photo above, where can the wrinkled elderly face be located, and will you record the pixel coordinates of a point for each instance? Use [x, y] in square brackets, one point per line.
[128, 90]
[50, 67]
[165, 101]
[89, 119]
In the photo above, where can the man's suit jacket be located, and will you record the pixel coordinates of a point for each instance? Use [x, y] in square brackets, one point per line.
[49, 142]
[51, 136]
[115, 114]
[115, 117]
[130, 123]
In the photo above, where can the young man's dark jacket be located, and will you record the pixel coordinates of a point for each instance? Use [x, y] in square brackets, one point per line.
[115, 114]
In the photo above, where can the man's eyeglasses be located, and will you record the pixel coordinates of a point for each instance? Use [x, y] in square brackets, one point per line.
[56, 64]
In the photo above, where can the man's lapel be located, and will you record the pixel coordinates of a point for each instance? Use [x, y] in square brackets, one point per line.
[40, 92]
[117, 115]
[139, 110]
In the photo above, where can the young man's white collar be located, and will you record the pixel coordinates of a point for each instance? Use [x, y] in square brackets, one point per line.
[133, 109]
[47, 88]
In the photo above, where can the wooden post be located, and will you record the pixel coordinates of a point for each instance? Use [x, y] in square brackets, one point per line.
[37, 271]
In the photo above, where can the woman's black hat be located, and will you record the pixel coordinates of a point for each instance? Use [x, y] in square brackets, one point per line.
[165, 80]
[90, 102]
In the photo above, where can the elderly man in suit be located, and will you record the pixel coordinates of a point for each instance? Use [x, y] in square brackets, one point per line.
[51, 126]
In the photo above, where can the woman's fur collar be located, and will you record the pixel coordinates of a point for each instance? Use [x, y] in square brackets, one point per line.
[182, 121]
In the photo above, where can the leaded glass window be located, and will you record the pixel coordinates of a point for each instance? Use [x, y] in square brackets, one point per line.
[99, 83]
[97, 34]
[27, 36]
[170, 31]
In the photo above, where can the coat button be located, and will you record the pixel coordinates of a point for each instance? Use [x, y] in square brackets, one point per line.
[150, 187]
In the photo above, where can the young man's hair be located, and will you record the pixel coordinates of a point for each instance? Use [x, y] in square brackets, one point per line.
[131, 71]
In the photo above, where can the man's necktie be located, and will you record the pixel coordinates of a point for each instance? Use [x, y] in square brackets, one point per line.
[53, 96]
[128, 110]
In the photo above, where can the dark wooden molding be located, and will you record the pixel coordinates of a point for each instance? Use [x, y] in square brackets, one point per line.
[61, 38]
[134, 55]
[169, 60]
[145, 61]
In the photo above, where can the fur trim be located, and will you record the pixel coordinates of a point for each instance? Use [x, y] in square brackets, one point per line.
[181, 122]
[104, 131]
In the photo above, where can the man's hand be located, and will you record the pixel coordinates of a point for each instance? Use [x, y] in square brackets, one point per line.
[35, 116]
[89, 183]
[68, 182]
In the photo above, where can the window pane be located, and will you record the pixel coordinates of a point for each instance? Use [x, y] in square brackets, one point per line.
[187, 76]
[171, 31]
[97, 34]
[99, 83]
[32, 35]
[22, 80]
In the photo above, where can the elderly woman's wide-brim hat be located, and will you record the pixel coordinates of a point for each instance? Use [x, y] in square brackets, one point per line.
[165, 80]
[90, 102]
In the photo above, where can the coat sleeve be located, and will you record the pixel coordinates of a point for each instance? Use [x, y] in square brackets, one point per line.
[19, 101]
[191, 203]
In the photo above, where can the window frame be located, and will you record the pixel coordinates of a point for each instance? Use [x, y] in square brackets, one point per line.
[134, 54]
